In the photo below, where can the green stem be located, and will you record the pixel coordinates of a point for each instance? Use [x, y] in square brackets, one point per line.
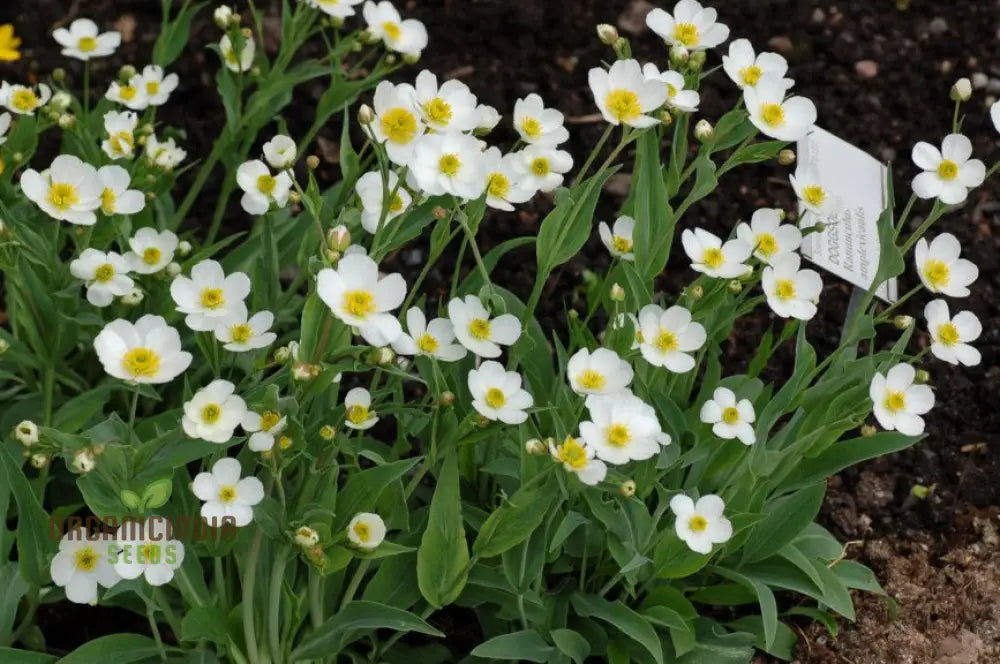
[220, 147]
[593, 155]
[939, 209]
[884, 316]
[86, 90]
[150, 615]
[315, 598]
[132, 411]
[168, 612]
[249, 586]
[359, 574]
[274, 612]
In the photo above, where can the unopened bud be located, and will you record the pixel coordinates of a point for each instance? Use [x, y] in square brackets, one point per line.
[622, 48]
[294, 197]
[306, 537]
[482, 422]
[488, 118]
[922, 377]
[147, 129]
[608, 34]
[305, 371]
[183, 248]
[282, 354]
[447, 398]
[786, 157]
[704, 131]
[83, 461]
[666, 119]
[409, 58]
[67, 120]
[697, 292]
[126, 72]
[17, 157]
[327, 432]
[316, 557]
[58, 74]
[868, 430]
[962, 90]
[627, 488]
[26, 433]
[679, 55]
[39, 461]
[312, 162]
[338, 238]
[331, 255]
[4, 344]
[735, 286]
[921, 492]
[902, 322]
[61, 100]
[221, 16]
[439, 213]
[173, 269]
[384, 356]
[336, 21]
[365, 114]
[133, 297]
[696, 61]
[284, 442]
[617, 293]
[534, 447]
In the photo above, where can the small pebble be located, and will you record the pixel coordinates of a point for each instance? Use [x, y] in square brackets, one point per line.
[818, 15]
[866, 68]
[938, 26]
[781, 44]
[993, 85]
[980, 80]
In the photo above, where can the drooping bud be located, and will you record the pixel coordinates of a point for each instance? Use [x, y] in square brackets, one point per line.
[173, 269]
[627, 488]
[608, 34]
[666, 119]
[282, 354]
[67, 120]
[39, 461]
[294, 197]
[786, 157]
[704, 131]
[679, 55]
[696, 292]
[222, 16]
[305, 371]
[384, 356]
[735, 286]
[133, 297]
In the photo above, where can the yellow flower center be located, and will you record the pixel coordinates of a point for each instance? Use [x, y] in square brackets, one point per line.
[622, 245]
[449, 164]
[666, 341]
[151, 255]
[85, 559]
[104, 273]
[751, 75]
[266, 184]
[937, 273]
[397, 203]
[359, 303]
[895, 401]
[284, 442]
[592, 380]
[24, 100]
[773, 114]
[362, 531]
[498, 185]
[947, 170]
[784, 289]
[357, 414]
[540, 166]
[766, 244]
[618, 435]
[671, 91]
[392, 30]
[814, 195]
[438, 111]
[231, 57]
[495, 398]
[572, 454]
[623, 105]
[141, 362]
[127, 92]
[87, 44]
[399, 125]
[149, 553]
[687, 34]
[63, 196]
[152, 87]
[227, 494]
[122, 142]
[241, 333]
[479, 328]
[698, 523]
[531, 127]
[948, 334]
[427, 343]
[730, 415]
[211, 413]
[713, 257]
[269, 420]
[212, 298]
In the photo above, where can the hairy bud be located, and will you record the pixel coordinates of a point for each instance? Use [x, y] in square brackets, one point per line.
[26, 433]
[183, 248]
[447, 398]
[366, 114]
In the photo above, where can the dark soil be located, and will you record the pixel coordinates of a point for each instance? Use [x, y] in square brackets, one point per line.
[879, 73]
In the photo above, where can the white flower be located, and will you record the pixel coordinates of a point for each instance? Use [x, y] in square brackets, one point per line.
[116, 197]
[504, 182]
[950, 172]
[784, 119]
[397, 121]
[145, 550]
[280, 152]
[68, 190]
[619, 239]
[791, 292]
[950, 337]
[61, 100]
[666, 338]
[898, 403]
[148, 351]
[677, 97]
[238, 62]
[487, 118]
[813, 196]
[497, 393]
[106, 275]
[692, 26]
[623, 94]
[435, 339]
[710, 256]
[214, 412]
[4, 126]
[82, 563]
[408, 37]
[222, 16]
[209, 297]
[598, 372]
[265, 428]
[579, 459]
[261, 188]
[452, 107]
[746, 69]
[940, 268]
[81, 40]
[151, 251]
[120, 142]
[448, 164]
[366, 530]
[359, 414]
[540, 167]
[995, 115]
[335, 8]
[24, 100]
[729, 418]
[537, 125]
[242, 334]
[156, 86]
[164, 154]
[372, 191]
[26, 433]
[306, 537]
[131, 94]
[475, 330]
[358, 297]
[769, 238]
[226, 494]
[622, 428]
[701, 524]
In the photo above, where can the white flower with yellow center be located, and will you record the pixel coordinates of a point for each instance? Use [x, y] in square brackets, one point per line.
[146, 550]
[156, 83]
[747, 69]
[164, 154]
[677, 97]
[359, 414]
[791, 292]
[226, 494]
[373, 193]
[784, 119]
[940, 267]
[950, 337]
[82, 41]
[265, 428]
[505, 185]
[358, 297]
[209, 297]
[710, 256]
[701, 524]
[69, 190]
[497, 393]
[624, 95]
[81, 564]
[541, 168]
[397, 121]
[24, 100]
[261, 188]
[451, 107]
[105, 274]
[120, 128]
[4, 126]
[116, 197]
[131, 95]
[147, 351]
[481, 334]
[598, 372]
[335, 8]
[949, 173]
[238, 61]
[668, 337]
[537, 125]
[898, 402]
[366, 530]
[448, 164]
[769, 238]
[435, 339]
[813, 196]
[280, 152]
[729, 418]
[577, 457]
[408, 37]
[245, 334]
[622, 428]
[692, 26]
[152, 250]
[214, 412]
[618, 240]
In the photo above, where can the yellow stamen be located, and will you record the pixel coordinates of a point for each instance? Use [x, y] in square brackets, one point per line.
[531, 127]
[87, 44]
[449, 164]
[104, 273]
[698, 523]
[141, 362]
[895, 401]
[784, 289]
[479, 328]
[592, 380]
[937, 273]
[730, 415]
[63, 196]
[427, 343]
[212, 298]
[85, 559]
[211, 413]
[357, 414]
[438, 111]
[773, 114]
[227, 494]
[713, 257]
[266, 184]
[766, 244]
[572, 454]
[540, 166]
[948, 334]
[363, 532]
[359, 303]
[151, 255]
[269, 420]
[623, 105]
[24, 100]
[751, 75]
[241, 332]
[666, 341]
[618, 435]
[498, 185]
[687, 34]
[495, 398]
[392, 30]
[814, 195]
[947, 170]
[399, 125]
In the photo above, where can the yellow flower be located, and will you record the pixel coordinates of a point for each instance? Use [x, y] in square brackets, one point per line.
[9, 43]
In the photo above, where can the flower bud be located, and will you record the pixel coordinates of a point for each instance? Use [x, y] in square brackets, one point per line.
[4, 344]
[365, 114]
[608, 34]
[384, 356]
[327, 432]
[439, 213]
[222, 15]
[306, 537]
[868, 430]
[331, 255]
[338, 238]
[126, 72]
[482, 422]
[336, 21]
[696, 292]
[132, 298]
[408, 58]
[622, 48]
[284, 442]
[902, 322]
[447, 398]
[666, 119]
[962, 90]
[173, 269]
[67, 120]
[183, 248]
[61, 100]
[316, 557]
[679, 55]
[294, 197]
[488, 118]
[786, 157]
[922, 377]
[534, 447]
[26, 433]
[704, 131]
[921, 492]
[627, 488]
[305, 371]
[735, 286]
[58, 74]
[312, 162]
[39, 461]
[282, 354]
[84, 461]
[696, 61]
[17, 157]
[617, 293]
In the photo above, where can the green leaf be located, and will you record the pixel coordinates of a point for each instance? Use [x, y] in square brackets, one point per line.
[157, 493]
[673, 559]
[130, 499]
[357, 615]
[768, 605]
[845, 454]
[117, 648]
[566, 228]
[174, 36]
[14, 588]
[443, 557]
[755, 153]
[364, 489]
[623, 618]
[784, 520]
[205, 622]
[15, 656]
[572, 644]
[681, 632]
[781, 646]
[33, 542]
[570, 522]
[74, 415]
[514, 521]
[715, 646]
[525, 645]
[654, 220]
